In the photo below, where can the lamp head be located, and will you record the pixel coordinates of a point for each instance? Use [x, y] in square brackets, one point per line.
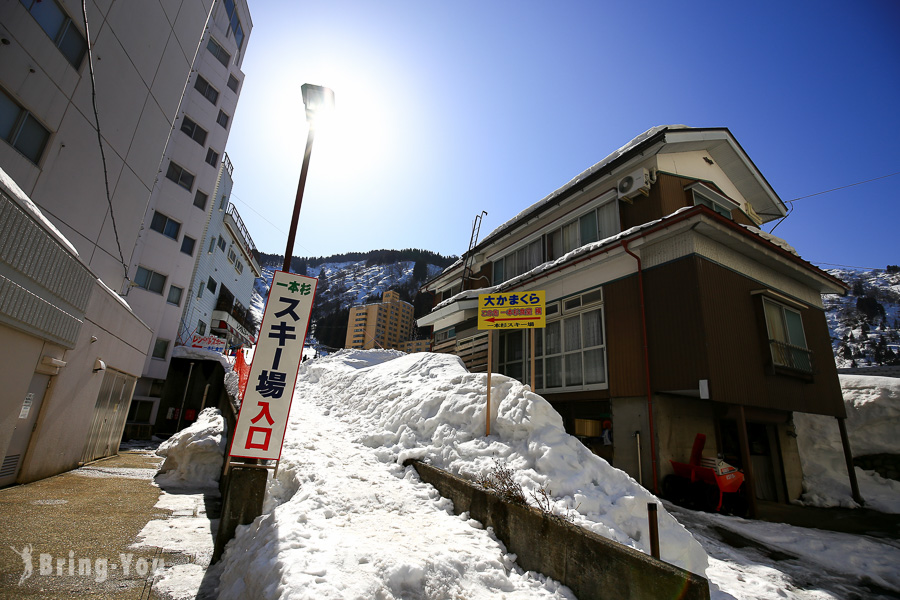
[318, 100]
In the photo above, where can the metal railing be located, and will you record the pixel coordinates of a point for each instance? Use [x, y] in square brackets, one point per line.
[792, 357]
[242, 229]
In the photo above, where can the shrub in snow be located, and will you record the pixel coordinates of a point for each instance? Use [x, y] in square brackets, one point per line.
[873, 419]
[195, 455]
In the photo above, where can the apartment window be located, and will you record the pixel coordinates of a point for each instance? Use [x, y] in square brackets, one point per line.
[218, 51]
[239, 267]
[222, 119]
[208, 91]
[150, 280]
[787, 340]
[212, 245]
[231, 255]
[59, 27]
[516, 263]
[164, 225]
[200, 200]
[596, 225]
[187, 245]
[193, 131]
[161, 348]
[720, 205]
[234, 23]
[179, 175]
[200, 290]
[201, 328]
[221, 243]
[175, 294]
[233, 83]
[21, 130]
[211, 285]
[223, 202]
[212, 157]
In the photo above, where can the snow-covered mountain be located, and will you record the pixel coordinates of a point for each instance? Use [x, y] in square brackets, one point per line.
[865, 324]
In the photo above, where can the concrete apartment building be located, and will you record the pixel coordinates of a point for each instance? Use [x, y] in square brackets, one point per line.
[385, 324]
[81, 180]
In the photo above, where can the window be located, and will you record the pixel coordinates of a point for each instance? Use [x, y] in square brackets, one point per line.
[239, 267]
[150, 280]
[223, 202]
[201, 328]
[218, 51]
[175, 294]
[211, 285]
[208, 91]
[212, 245]
[221, 243]
[161, 348]
[234, 23]
[212, 157]
[187, 245]
[165, 225]
[222, 119]
[516, 263]
[233, 83]
[178, 174]
[787, 341]
[570, 353]
[140, 411]
[200, 290]
[193, 131]
[200, 200]
[594, 226]
[704, 196]
[21, 130]
[59, 27]
[231, 255]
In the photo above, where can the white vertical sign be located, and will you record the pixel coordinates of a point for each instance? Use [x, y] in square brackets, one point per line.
[259, 432]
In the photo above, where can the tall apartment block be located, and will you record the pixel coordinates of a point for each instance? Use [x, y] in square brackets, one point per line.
[102, 176]
[385, 324]
[184, 194]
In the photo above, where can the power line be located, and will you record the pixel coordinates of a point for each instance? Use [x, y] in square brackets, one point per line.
[844, 186]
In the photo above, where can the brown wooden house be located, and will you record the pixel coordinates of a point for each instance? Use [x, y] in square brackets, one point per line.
[669, 312]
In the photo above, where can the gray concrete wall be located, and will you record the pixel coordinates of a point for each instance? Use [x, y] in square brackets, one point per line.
[594, 567]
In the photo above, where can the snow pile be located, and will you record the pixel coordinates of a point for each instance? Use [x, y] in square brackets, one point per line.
[202, 354]
[345, 519]
[873, 419]
[195, 455]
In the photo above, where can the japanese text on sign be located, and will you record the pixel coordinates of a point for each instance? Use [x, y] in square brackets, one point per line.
[259, 432]
[519, 310]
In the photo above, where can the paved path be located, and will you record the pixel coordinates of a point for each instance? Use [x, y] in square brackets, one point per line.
[79, 527]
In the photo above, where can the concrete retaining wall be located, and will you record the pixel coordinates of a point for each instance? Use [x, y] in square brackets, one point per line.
[592, 566]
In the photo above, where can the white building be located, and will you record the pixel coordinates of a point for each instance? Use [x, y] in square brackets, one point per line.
[184, 195]
[72, 349]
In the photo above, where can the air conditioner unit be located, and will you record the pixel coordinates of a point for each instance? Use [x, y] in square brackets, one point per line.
[636, 182]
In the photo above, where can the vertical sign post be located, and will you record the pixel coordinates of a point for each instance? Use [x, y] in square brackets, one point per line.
[518, 310]
[263, 418]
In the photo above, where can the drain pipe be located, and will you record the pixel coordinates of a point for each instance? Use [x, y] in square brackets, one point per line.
[646, 365]
[637, 437]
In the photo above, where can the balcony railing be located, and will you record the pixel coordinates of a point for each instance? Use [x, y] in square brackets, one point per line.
[788, 356]
[242, 230]
[238, 312]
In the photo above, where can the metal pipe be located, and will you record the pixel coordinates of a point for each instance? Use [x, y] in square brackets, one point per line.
[654, 530]
[640, 273]
[848, 456]
[298, 200]
[184, 398]
[205, 392]
[637, 435]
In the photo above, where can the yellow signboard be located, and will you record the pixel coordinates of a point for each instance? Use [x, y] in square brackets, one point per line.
[515, 310]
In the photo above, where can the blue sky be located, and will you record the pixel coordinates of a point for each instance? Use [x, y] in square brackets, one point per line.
[447, 109]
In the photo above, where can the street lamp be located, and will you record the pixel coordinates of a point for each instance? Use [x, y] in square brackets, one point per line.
[318, 100]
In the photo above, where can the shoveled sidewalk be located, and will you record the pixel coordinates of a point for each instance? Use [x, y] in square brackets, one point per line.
[71, 535]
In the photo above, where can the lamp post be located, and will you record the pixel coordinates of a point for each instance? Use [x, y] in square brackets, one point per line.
[317, 99]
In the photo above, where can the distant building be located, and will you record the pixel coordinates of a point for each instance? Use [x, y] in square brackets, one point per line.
[412, 346]
[111, 182]
[386, 324]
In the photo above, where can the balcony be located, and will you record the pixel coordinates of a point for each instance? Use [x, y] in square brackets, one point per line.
[231, 317]
[791, 359]
[242, 236]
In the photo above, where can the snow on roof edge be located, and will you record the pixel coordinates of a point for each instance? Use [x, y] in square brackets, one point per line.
[21, 199]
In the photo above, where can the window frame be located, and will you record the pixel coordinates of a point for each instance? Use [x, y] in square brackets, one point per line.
[180, 295]
[148, 283]
[193, 245]
[788, 347]
[180, 176]
[205, 196]
[220, 119]
[206, 89]
[156, 345]
[212, 158]
[165, 225]
[217, 50]
[190, 128]
[21, 123]
[62, 37]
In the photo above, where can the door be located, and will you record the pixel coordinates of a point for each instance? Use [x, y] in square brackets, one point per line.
[110, 412]
[28, 413]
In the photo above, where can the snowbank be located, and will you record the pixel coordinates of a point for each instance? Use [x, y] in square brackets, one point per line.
[195, 455]
[428, 406]
[873, 419]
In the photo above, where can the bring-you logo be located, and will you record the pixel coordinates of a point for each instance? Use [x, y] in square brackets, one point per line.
[96, 568]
